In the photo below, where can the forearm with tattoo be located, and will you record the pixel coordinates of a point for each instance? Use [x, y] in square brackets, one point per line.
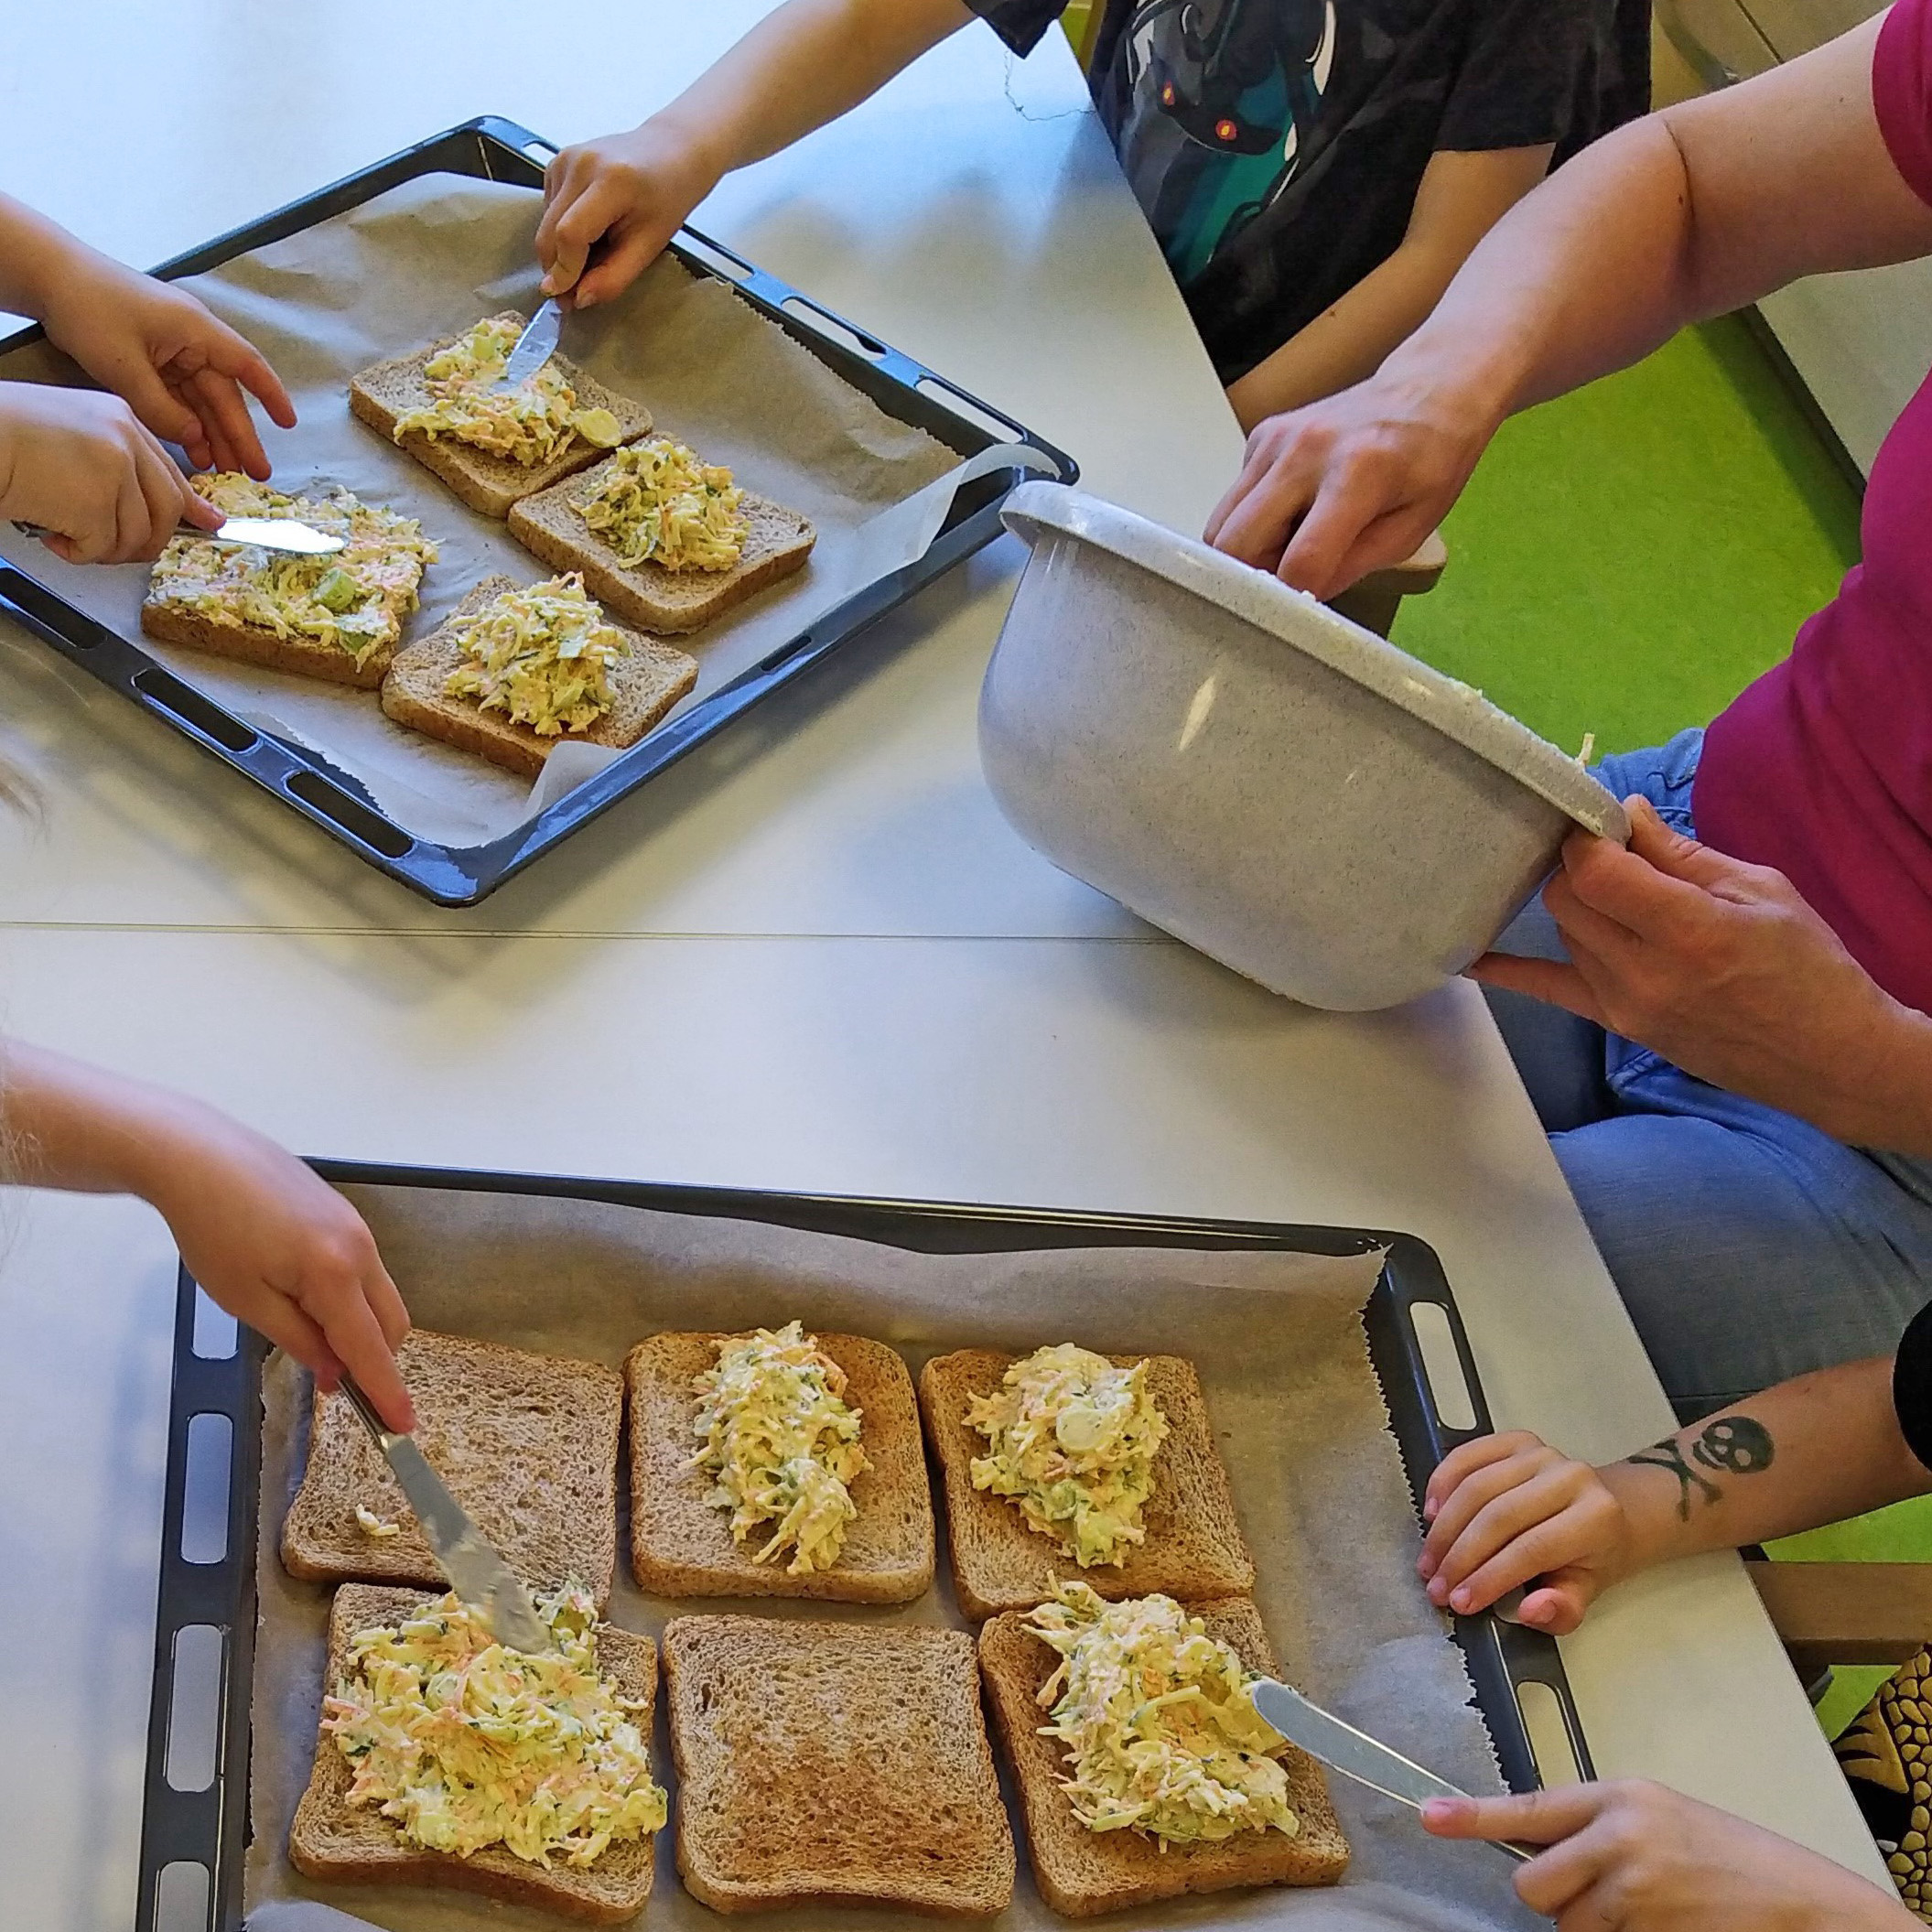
[1734, 1445]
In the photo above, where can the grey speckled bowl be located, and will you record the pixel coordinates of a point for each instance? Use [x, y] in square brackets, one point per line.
[1256, 776]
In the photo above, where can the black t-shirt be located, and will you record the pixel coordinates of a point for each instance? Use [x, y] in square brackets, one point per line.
[1276, 145]
[1912, 1386]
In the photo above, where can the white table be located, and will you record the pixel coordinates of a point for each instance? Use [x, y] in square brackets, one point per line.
[827, 967]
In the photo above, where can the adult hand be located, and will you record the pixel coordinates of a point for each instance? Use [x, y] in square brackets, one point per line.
[281, 1250]
[77, 463]
[179, 370]
[1352, 483]
[1723, 969]
[1637, 1857]
[620, 198]
[1504, 1509]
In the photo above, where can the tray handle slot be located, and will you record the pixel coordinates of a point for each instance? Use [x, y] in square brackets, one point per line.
[198, 713]
[183, 1899]
[205, 1488]
[835, 329]
[336, 805]
[216, 1331]
[194, 1709]
[1443, 1364]
[714, 256]
[1553, 1742]
[969, 409]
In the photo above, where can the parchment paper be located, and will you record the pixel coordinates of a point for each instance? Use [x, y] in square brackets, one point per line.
[426, 259]
[1278, 1344]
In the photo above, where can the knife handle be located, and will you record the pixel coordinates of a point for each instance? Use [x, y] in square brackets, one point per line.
[365, 1407]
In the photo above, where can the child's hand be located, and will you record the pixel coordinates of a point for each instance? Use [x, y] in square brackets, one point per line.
[1637, 1857]
[77, 463]
[180, 371]
[1505, 1509]
[280, 1249]
[621, 197]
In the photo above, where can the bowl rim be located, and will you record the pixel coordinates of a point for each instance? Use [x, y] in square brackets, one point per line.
[1458, 711]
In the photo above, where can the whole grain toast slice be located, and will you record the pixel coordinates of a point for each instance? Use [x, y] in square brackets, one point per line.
[255, 644]
[1194, 1550]
[1081, 1873]
[834, 1763]
[681, 1542]
[382, 395]
[656, 598]
[526, 1443]
[337, 1843]
[646, 681]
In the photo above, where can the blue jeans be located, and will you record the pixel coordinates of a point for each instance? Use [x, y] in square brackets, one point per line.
[1747, 1245]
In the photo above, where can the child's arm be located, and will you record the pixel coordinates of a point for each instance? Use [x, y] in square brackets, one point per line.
[1461, 198]
[180, 371]
[803, 65]
[268, 1239]
[1504, 1510]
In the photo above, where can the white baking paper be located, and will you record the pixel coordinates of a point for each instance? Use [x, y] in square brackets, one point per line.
[425, 261]
[1277, 1341]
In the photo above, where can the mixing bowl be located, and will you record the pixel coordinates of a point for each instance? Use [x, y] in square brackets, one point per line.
[1255, 774]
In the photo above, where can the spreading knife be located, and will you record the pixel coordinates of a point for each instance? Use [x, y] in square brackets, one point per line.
[1356, 1755]
[269, 533]
[534, 347]
[475, 1572]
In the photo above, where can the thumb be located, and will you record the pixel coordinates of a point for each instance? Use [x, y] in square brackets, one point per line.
[1671, 852]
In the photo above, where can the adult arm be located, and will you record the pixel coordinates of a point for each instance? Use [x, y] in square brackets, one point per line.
[1682, 215]
[1461, 198]
[622, 196]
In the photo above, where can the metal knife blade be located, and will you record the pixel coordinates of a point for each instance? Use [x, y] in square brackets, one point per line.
[534, 347]
[475, 1572]
[1355, 1753]
[269, 533]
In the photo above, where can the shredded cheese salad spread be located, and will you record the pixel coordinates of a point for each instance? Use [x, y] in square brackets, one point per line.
[541, 655]
[1160, 1735]
[656, 502]
[1071, 1439]
[464, 1743]
[530, 424]
[356, 597]
[783, 1443]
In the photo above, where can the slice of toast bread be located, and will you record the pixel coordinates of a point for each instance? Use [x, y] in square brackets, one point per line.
[255, 644]
[385, 392]
[1193, 1551]
[646, 682]
[1081, 1873]
[547, 525]
[527, 1444]
[681, 1542]
[336, 1842]
[834, 1764]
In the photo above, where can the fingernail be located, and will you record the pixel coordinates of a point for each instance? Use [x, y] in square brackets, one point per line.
[1459, 1599]
[1425, 1564]
[1430, 1509]
[1438, 1590]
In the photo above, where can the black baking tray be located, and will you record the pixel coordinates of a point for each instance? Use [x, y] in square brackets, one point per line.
[194, 1829]
[492, 149]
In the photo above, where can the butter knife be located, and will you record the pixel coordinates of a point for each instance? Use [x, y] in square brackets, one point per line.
[1356, 1755]
[475, 1572]
[270, 533]
[534, 347]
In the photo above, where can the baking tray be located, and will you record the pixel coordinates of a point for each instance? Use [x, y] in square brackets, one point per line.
[489, 148]
[195, 1817]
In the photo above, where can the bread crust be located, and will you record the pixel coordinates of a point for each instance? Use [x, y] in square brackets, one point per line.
[1193, 1551]
[337, 1844]
[834, 1763]
[681, 1543]
[1082, 1873]
[253, 644]
[654, 599]
[647, 681]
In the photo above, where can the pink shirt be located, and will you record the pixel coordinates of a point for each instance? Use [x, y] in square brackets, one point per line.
[1823, 767]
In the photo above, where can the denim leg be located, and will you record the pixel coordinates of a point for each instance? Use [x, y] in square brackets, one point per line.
[1747, 1245]
[1558, 1055]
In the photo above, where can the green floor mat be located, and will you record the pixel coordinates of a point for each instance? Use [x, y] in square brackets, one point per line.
[1628, 557]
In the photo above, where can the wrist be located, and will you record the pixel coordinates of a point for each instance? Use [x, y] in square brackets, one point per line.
[699, 150]
[1886, 1083]
[1652, 1533]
